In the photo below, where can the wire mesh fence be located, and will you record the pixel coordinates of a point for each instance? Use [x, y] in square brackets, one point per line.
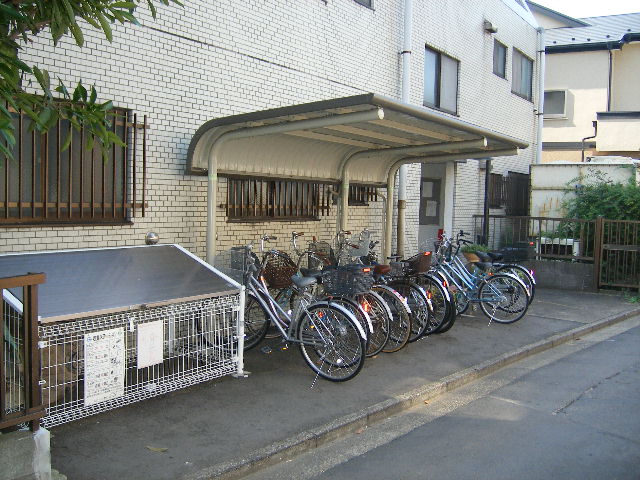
[96, 364]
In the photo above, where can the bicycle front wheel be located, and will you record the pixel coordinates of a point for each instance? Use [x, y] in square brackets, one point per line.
[503, 298]
[523, 274]
[417, 301]
[331, 341]
[256, 322]
[400, 325]
[380, 316]
[441, 303]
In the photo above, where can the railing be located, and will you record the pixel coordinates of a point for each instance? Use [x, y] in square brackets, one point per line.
[548, 238]
[20, 392]
[618, 262]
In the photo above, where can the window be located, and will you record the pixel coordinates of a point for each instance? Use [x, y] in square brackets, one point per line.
[440, 81]
[46, 184]
[366, 3]
[361, 195]
[499, 59]
[522, 75]
[252, 199]
[555, 104]
[496, 190]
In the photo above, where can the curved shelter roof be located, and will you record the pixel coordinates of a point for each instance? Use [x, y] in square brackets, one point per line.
[317, 152]
[360, 139]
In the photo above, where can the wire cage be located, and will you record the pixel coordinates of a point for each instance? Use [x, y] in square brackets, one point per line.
[13, 354]
[323, 255]
[278, 270]
[347, 280]
[99, 363]
[235, 262]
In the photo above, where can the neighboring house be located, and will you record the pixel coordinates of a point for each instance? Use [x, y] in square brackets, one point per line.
[212, 67]
[591, 105]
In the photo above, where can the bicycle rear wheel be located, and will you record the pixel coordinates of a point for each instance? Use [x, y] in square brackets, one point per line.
[417, 301]
[380, 316]
[332, 342]
[441, 304]
[523, 274]
[503, 298]
[256, 322]
[400, 325]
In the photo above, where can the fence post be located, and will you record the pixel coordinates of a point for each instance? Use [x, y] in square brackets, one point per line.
[597, 251]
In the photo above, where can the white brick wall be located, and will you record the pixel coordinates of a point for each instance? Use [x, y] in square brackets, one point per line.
[214, 59]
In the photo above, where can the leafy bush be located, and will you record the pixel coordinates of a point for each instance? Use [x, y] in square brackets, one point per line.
[613, 201]
[474, 247]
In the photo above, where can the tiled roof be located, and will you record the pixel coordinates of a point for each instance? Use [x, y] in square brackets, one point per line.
[602, 29]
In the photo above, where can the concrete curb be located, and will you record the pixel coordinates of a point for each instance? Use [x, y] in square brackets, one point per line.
[320, 435]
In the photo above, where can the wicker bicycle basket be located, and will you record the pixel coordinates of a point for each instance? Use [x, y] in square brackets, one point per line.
[347, 280]
[420, 263]
[278, 270]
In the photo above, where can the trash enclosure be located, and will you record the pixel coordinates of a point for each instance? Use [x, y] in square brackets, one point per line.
[118, 325]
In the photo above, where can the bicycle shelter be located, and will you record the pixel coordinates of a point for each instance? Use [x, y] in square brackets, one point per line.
[363, 138]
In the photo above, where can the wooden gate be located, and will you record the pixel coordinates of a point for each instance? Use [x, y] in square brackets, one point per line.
[617, 253]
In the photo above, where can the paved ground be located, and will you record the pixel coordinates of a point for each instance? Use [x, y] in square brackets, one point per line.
[228, 424]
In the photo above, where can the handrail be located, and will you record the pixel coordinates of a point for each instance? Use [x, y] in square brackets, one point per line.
[31, 409]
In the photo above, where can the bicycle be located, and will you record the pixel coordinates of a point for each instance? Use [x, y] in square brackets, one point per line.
[503, 297]
[331, 340]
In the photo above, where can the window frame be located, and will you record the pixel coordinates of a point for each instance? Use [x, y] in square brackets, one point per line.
[515, 56]
[438, 81]
[46, 185]
[270, 210]
[498, 43]
[562, 115]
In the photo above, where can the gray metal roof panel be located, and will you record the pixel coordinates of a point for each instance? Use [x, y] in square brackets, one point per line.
[83, 283]
[610, 28]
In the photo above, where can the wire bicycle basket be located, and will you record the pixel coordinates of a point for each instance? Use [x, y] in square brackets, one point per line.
[235, 262]
[347, 280]
[323, 255]
[278, 270]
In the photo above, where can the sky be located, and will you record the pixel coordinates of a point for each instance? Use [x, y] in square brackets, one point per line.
[591, 8]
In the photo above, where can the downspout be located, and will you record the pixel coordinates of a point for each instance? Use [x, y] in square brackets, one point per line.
[540, 113]
[610, 81]
[435, 159]
[215, 146]
[485, 211]
[406, 89]
[595, 134]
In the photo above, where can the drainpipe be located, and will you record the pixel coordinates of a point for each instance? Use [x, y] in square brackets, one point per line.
[540, 113]
[595, 134]
[435, 159]
[610, 77]
[215, 146]
[406, 89]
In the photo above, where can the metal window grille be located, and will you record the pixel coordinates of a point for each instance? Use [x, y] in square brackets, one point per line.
[360, 195]
[516, 193]
[496, 190]
[259, 199]
[45, 183]
[199, 343]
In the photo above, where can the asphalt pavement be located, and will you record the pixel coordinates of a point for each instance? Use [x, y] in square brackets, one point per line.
[230, 427]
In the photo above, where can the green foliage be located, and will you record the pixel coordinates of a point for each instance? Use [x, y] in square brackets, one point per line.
[474, 247]
[614, 201]
[20, 20]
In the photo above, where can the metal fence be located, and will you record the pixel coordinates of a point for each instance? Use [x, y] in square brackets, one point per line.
[20, 399]
[97, 364]
[613, 246]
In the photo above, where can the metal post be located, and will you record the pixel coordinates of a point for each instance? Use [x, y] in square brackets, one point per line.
[597, 251]
[485, 218]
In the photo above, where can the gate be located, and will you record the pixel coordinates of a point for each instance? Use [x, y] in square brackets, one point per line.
[617, 248]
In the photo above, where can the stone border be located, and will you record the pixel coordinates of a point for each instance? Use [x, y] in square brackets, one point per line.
[315, 437]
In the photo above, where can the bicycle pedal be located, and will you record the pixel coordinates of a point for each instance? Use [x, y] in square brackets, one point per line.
[285, 347]
[474, 308]
[266, 350]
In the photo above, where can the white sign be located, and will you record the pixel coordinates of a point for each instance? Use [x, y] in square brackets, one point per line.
[104, 365]
[150, 343]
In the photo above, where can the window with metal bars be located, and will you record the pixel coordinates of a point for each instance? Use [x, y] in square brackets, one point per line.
[256, 199]
[496, 190]
[361, 195]
[46, 184]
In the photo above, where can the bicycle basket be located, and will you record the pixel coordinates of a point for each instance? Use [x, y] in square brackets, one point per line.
[324, 252]
[278, 270]
[234, 262]
[347, 280]
[362, 241]
[420, 263]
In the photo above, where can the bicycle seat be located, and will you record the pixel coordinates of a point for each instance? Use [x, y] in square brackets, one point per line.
[483, 256]
[381, 269]
[495, 256]
[307, 272]
[303, 282]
